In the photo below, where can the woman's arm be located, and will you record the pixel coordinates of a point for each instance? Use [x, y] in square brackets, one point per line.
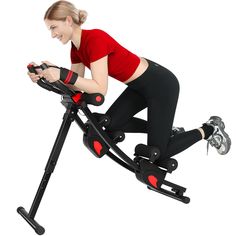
[99, 81]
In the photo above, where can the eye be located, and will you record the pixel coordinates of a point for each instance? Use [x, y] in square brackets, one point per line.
[52, 27]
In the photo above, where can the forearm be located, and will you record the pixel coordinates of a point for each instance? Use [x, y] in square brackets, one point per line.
[88, 86]
[72, 87]
[75, 80]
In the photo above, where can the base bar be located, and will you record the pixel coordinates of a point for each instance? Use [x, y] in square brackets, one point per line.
[37, 228]
[171, 194]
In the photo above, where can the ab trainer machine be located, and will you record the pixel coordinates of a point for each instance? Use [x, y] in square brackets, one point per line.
[145, 165]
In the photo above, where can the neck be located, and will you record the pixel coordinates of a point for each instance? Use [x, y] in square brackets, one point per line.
[76, 36]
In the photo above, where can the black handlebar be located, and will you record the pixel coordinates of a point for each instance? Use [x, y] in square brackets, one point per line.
[59, 87]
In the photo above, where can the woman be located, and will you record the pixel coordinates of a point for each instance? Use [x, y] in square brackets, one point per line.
[149, 85]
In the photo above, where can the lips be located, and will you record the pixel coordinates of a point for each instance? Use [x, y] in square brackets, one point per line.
[60, 37]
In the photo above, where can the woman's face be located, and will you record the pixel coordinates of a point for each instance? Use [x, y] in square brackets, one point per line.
[61, 30]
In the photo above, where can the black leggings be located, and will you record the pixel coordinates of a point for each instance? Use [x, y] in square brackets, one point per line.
[157, 89]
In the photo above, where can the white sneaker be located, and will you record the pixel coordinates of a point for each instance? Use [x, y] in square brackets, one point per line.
[219, 139]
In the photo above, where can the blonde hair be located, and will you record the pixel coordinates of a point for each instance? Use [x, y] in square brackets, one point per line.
[61, 9]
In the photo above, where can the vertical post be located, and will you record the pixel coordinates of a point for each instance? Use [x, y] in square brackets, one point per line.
[68, 118]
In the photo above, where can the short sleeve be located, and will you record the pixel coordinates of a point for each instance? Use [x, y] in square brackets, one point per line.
[97, 48]
[73, 56]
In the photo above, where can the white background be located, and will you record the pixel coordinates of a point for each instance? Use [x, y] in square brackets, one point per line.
[89, 196]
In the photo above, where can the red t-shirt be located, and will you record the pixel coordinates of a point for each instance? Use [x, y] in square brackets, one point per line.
[96, 44]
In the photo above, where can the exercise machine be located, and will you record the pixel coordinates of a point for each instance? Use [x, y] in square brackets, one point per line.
[145, 165]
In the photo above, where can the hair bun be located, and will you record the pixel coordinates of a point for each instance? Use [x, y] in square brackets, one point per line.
[82, 16]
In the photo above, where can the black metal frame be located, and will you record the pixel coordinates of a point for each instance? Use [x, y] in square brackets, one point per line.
[70, 116]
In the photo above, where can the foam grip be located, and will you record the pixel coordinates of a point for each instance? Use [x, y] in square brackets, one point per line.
[150, 152]
[169, 164]
[31, 68]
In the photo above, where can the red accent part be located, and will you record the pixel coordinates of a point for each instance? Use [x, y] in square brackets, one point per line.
[68, 77]
[77, 97]
[153, 180]
[97, 147]
[98, 98]
[30, 65]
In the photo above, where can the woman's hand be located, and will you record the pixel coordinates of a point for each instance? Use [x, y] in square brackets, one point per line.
[34, 77]
[51, 74]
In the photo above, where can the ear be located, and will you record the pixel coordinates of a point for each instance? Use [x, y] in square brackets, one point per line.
[69, 20]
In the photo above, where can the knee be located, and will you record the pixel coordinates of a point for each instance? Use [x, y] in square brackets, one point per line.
[176, 86]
